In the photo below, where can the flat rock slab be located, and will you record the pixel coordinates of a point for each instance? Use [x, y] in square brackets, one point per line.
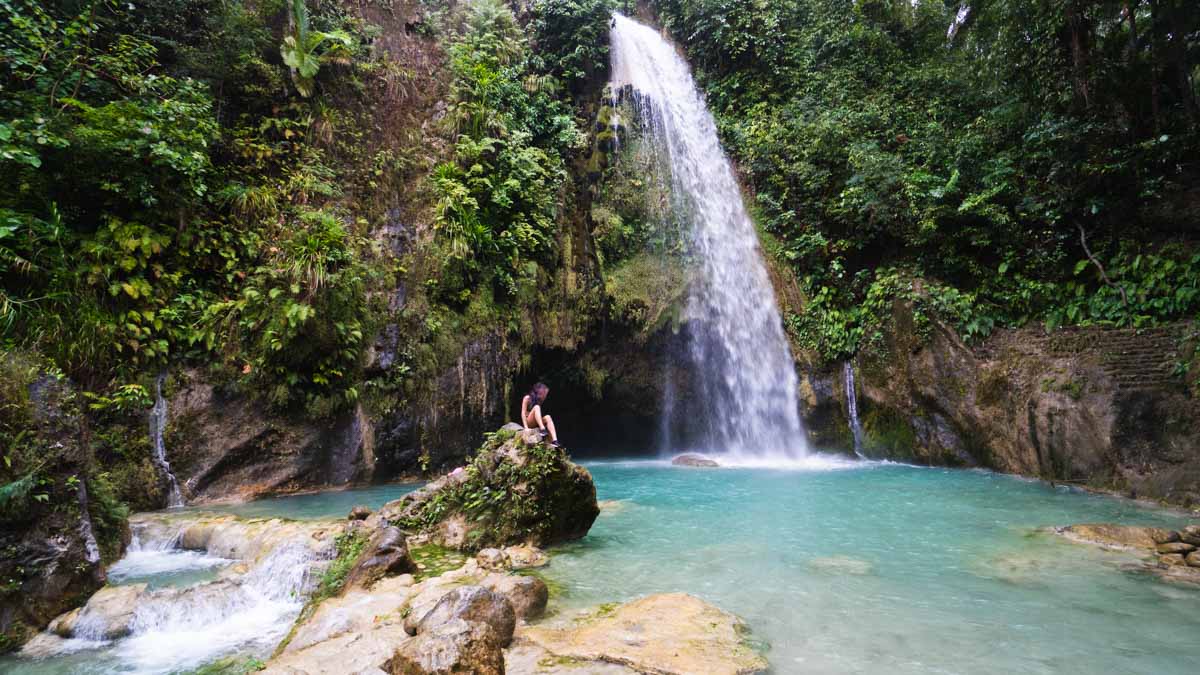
[667, 633]
[694, 460]
[1115, 536]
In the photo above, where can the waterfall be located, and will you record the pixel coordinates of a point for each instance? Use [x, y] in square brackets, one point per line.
[742, 372]
[852, 407]
[158, 423]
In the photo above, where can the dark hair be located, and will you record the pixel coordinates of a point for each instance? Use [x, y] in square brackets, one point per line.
[538, 394]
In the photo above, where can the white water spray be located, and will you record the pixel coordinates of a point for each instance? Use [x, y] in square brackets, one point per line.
[852, 407]
[743, 372]
[158, 424]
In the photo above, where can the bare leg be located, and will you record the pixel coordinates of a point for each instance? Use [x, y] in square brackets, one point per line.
[550, 426]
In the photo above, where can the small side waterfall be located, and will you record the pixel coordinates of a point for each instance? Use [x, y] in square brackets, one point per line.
[158, 423]
[852, 407]
[739, 364]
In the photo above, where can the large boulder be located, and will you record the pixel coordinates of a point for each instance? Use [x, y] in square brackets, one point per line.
[527, 595]
[107, 615]
[517, 489]
[474, 604]
[668, 633]
[385, 555]
[449, 648]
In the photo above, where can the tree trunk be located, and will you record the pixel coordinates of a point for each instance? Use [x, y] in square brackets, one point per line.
[1077, 30]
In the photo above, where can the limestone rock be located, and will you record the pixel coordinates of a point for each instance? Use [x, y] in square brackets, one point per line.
[359, 513]
[357, 611]
[1191, 535]
[474, 604]
[1172, 559]
[525, 556]
[694, 460]
[1178, 547]
[450, 647]
[385, 555]
[1114, 536]
[667, 633]
[527, 595]
[1193, 559]
[493, 559]
[106, 616]
[1165, 536]
[522, 469]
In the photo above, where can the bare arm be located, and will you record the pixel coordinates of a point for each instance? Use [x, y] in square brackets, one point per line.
[525, 412]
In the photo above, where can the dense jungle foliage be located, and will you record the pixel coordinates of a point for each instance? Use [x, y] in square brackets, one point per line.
[262, 189]
[1003, 161]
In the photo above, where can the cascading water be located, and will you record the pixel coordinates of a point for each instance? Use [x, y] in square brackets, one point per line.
[852, 407]
[158, 423]
[742, 370]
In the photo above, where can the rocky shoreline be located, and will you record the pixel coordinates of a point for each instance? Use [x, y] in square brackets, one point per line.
[1170, 555]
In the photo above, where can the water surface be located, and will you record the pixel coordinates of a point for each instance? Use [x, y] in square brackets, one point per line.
[886, 568]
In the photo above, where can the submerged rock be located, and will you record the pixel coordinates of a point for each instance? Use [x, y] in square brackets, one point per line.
[524, 557]
[535, 494]
[667, 633]
[841, 565]
[694, 460]
[1116, 536]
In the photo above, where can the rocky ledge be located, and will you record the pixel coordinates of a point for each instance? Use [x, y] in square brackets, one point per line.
[1171, 555]
[517, 489]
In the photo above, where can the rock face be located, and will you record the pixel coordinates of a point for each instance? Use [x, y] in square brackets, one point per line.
[223, 445]
[669, 633]
[1095, 406]
[541, 497]
[52, 548]
[694, 460]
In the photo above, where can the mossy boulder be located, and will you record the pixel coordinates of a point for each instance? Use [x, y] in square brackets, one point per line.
[517, 489]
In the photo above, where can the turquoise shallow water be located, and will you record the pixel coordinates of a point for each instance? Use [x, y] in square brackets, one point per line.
[886, 568]
[316, 505]
[873, 568]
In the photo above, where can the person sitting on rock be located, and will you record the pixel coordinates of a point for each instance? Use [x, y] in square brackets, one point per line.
[531, 412]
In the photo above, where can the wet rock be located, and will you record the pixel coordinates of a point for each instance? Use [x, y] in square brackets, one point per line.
[527, 595]
[525, 557]
[667, 633]
[694, 460]
[356, 612]
[1170, 559]
[107, 615]
[450, 647]
[1164, 536]
[474, 604]
[492, 559]
[385, 555]
[841, 565]
[1178, 547]
[1114, 536]
[1191, 535]
[359, 513]
[1193, 559]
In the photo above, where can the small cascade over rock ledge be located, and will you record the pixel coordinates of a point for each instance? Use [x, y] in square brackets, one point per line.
[158, 423]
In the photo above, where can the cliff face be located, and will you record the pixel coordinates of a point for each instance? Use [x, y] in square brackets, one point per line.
[1097, 407]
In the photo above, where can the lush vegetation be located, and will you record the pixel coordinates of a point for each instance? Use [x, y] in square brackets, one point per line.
[1013, 161]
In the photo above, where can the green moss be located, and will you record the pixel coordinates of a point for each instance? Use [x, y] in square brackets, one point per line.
[350, 546]
[232, 665]
[889, 432]
[433, 560]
